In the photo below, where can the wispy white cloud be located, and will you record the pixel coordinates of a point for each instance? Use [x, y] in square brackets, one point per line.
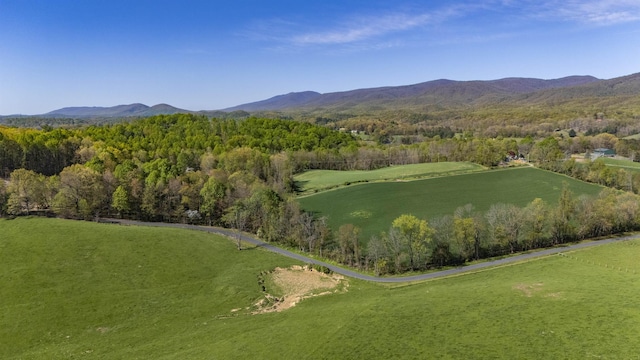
[596, 12]
[478, 38]
[463, 21]
[362, 28]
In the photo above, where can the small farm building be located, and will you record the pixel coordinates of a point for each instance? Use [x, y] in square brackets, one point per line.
[600, 152]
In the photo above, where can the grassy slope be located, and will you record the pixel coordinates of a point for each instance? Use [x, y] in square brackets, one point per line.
[373, 207]
[324, 179]
[74, 287]
[84, 290]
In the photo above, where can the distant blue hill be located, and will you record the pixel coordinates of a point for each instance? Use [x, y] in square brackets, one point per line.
[442, 94]
[132, 110]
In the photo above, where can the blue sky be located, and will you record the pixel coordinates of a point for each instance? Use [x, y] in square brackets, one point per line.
[205, 55]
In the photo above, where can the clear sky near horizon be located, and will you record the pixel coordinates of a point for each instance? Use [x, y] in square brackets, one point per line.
[206, 55]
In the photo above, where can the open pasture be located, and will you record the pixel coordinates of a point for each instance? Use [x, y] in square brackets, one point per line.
[622, 164]
[75, 290]
[318, 180]
[373, 207]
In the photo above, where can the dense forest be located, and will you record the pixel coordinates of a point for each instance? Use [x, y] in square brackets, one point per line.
[239, 173]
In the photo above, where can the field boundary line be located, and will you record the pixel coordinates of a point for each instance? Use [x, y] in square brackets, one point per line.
[462, 270]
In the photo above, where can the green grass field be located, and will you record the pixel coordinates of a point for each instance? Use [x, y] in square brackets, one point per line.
[624, 164]
[317, 180]
[85, 290]
[76, 290]
[373, 207]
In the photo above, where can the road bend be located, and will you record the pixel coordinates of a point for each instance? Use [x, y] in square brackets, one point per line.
[353, 274]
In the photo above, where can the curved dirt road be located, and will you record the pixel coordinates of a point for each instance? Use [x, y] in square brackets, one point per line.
[356, 275]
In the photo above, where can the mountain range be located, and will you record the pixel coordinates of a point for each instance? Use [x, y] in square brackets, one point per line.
[132, 110]
[442, 92]
[421, 97]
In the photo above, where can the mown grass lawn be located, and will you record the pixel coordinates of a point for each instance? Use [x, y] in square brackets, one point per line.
[75, 290]
[373, 207]
[317, 180]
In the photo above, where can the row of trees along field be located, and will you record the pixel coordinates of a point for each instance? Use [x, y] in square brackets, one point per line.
[415, 244]
[189, 168]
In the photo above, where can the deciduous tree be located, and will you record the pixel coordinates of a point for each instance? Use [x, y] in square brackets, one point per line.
[503, 224]
[237, 217]
[27, 191]
[120, 200]
[348, 237]
[377, 253]
[81, 192]
[547, 150]
[535, 224]
[213, 192]
[417, 237]
[443, 238]
[467, 229]
[3, 198]
[397, 247]
[562, 227]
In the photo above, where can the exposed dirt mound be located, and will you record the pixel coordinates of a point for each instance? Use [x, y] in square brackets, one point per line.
[296, 284]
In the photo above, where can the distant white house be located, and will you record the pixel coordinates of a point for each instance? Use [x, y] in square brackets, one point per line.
[602, 152]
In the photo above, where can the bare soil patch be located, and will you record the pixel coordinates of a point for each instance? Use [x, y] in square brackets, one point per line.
[557, 295]
[296, 284]
[528, 289]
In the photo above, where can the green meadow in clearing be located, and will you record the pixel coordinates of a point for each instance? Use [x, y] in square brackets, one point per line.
[317, 180]
[373, 207]
[79, 290]
[621, 163]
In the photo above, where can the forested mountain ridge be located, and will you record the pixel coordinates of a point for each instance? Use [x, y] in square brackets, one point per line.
[433, 92]
[279, 102]
[620, 87]
[510, 107]
[132, 110]
[443, 92]
[506, 107]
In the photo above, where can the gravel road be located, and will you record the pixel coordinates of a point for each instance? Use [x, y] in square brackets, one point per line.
[350, 273]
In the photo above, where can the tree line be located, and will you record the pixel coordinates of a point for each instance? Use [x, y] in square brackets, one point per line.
[413, 244]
